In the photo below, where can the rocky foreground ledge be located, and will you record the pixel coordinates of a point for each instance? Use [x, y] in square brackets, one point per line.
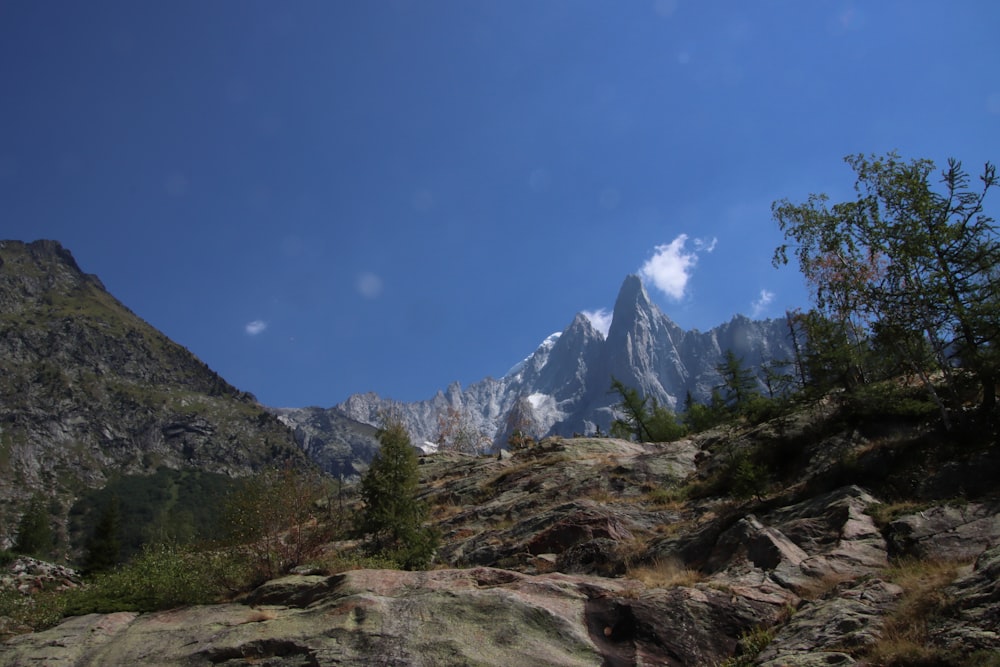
[821, 592]
[582, 554]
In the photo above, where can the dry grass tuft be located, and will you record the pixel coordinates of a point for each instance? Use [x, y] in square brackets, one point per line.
[817, 588]
[905, 636]
[665, 573]
[667, 498]
[603, 496]
[885, 513]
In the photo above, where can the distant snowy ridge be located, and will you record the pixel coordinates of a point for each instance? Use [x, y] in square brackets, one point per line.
[540, 356]
[565, 382]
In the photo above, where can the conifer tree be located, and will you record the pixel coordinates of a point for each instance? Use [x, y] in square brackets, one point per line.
[643, 418]
[103, 549]
[392, 518]
[737, 380]
[34, 532]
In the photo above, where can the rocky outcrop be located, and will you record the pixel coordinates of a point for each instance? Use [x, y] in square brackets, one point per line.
[28, 575]
[946, 532]
[340, 445]
[593, 551]
[973, 619]
[822, 632]
[479, 616]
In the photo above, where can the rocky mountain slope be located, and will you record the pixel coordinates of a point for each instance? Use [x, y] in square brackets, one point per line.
[340, 445]
[869, 542]
[89, 390]
[563, 387]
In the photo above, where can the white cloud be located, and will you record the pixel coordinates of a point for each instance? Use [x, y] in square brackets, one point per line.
[369, 285]
[701, 245]
[600, 318]
[669, 269]
[758, 307]
[255, 327]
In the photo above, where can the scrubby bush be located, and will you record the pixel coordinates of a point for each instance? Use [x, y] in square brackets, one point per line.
[749, 478]
[40, 610]
[275, 520]
[161, 577]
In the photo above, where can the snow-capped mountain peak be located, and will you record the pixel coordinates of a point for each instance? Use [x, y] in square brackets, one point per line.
[538, 358]
[563, 386]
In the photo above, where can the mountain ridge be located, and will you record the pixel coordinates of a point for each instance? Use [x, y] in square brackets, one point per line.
[566, 381]
[89, 390]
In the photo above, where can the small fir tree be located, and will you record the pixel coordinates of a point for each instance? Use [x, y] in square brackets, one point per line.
[738, 381]
[643, 418]
[103, 549]
[392, 518]
[34, 532]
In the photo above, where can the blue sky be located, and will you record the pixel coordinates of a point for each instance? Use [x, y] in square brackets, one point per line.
[327, 197]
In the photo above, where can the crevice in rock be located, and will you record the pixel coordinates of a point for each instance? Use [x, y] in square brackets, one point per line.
[290, 653]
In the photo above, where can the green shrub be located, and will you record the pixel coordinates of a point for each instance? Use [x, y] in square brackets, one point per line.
[161, 577]
[30, 612]
[749, 478]
[759, 409]
[273, 520]
[889, 399]
[750, 646]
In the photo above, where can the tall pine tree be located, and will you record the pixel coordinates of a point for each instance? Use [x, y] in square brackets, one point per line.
[103, 549]
[34, 531]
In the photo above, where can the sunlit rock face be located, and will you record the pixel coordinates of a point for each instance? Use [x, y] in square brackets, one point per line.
[567, 380]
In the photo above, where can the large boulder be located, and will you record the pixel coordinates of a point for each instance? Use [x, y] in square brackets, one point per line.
[947, 532]
[973, 618]
[803, 546]
[847, 619]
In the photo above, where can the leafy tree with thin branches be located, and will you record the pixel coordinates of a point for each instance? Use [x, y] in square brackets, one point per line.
[905, 256]
[273, 519]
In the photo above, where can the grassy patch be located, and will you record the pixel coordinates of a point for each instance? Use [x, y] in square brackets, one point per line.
[750, 646]
[885, 513]
[342, 561]
[664, 573]
[672, 497]
[904, 641]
